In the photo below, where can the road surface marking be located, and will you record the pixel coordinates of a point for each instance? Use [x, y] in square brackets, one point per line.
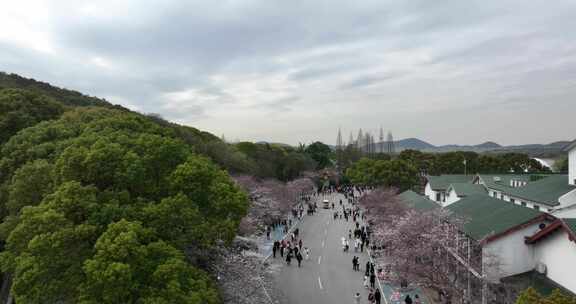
[319, 260]
[320, 283]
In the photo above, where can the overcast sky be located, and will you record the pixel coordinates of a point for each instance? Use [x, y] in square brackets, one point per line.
[447, 71]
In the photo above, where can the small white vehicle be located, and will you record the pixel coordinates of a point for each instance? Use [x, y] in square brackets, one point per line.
[326, 204]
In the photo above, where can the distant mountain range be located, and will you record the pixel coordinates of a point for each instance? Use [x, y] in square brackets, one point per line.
[537, 150]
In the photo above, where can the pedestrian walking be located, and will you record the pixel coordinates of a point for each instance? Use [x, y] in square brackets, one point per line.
[274, 248]
[300, 244]
[417, 300]
[408, 299]
[299, 258]
[365, 281]
[377, 296]
[373, 280]
[288, 258]
[306, 253]
[371, 296]
[357, 298]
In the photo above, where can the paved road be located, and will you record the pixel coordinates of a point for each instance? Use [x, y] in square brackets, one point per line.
[327, 277]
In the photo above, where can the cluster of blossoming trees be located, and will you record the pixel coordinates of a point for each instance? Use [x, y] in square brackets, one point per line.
[423, 247]
[270, 200]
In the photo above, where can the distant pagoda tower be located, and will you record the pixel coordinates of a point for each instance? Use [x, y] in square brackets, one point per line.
[359, 140]
[390, 144]
[339, 148]
[381, 139]
[339, 141]
[351, 140]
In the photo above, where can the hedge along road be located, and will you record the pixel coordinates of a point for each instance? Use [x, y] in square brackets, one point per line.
[327, 276]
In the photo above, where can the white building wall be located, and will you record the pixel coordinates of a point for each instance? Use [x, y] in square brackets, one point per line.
[558, 253]
[568, 212]
[572, 166]
[431, 194]
[451, 198]
[512, 254]
[567, 199]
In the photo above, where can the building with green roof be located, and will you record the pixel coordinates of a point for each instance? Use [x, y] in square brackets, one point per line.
[457, 191]
[487, 217]
[499, 237]
[505, 181]
[437, 185]
[554, 252]
[546, 194]
[500, 228]
[416, 201]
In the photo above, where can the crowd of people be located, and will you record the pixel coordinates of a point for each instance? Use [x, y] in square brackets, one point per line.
[291, 246]
[291, 249]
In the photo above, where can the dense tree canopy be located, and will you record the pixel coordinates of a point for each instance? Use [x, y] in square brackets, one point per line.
[321, 153]
[20, 109]
[107, 206]
[390, 173]
[472, 162]
[273, 160]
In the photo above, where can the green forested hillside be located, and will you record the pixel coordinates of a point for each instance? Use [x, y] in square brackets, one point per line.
[64, 96]
[103, 205]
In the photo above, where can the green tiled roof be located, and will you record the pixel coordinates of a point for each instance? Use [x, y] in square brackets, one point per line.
[417, 201]
[571, 223]
[504, 180]
[465, 189]
[546, 191]
[442, 182]
[485, 215]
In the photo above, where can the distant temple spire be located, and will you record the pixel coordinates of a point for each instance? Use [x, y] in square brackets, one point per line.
[390, 143]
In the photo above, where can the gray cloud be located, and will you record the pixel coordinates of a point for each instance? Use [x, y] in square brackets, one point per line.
[309, 64]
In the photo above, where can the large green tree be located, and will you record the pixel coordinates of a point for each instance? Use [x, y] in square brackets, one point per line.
[321, 153]
[391, 173]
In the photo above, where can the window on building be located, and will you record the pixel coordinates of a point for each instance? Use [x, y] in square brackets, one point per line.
[495, 194]
[550, 209]
[501, 196]
[512, 200]
[523, 204]
[536, 207]
[438, 197]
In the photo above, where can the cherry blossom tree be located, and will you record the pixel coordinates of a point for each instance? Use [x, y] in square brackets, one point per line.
[271, 200]
[423, 247]
[381, 206]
